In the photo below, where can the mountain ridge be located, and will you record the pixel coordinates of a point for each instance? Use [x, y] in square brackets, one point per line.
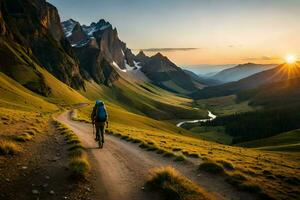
[240, 71]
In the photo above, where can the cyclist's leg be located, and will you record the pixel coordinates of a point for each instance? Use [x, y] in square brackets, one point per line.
[97, 132]
[102, 129]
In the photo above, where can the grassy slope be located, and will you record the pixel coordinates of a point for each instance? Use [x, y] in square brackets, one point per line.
[289, 141]
[144, 99]
[215, 134]
[226, 105]
[15, 96]
[249, 162]
[60, 92]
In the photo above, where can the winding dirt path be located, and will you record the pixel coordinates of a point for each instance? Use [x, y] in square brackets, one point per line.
[122, 168]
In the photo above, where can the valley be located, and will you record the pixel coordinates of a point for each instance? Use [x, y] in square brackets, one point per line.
[171, 134]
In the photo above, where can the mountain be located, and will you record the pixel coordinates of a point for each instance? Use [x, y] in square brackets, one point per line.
[162, 72]
[100, 51]
[240, 71]
[31, 36]
[272, 95]
[205, 81]
[280, 73]
[141, 58]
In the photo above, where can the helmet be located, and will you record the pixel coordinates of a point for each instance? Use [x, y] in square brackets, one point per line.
[99, 103]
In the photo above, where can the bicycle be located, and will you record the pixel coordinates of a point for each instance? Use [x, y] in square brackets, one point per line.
[100, 143]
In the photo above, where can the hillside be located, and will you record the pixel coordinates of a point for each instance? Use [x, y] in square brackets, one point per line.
[281, 93]
[240, 71]
[288, 141]
[279, 73]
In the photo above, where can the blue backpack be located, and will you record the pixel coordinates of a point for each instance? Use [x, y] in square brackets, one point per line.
[101, 115]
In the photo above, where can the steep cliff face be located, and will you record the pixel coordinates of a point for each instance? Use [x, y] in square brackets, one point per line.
[2, 22]
[100, 51]
[34, 26]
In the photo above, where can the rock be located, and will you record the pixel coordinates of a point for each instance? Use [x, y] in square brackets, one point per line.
[35, 192]
[45, 185]
[51, 192]
[47, 177]
[7, 180]
[143, 188]
[24, 167]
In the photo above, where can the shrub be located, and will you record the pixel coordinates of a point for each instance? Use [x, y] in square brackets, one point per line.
[211, 167]
[75, 146]
[180, 158]
[8, 148]
[136, 141]
[249, 187]
[73, 141]
[77, 153]
[235, 179]
[193, 155]
[143, 145]
[175, 186]
[169, 154]
[176, 149]
[79, 167]
[226, 164]
[152, 148]
[24, 137]
[31, 132]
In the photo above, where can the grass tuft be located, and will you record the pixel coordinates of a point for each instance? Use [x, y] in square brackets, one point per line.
[179, 158]
[226, 164]
[75, 147]
[8, 148]
[249, 187]
[169, 154]
[235, 179]
[24, 137]
[174, 185]
[79, 166]
[211, 167]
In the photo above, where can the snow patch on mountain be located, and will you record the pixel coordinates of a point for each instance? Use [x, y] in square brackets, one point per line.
[68, 27]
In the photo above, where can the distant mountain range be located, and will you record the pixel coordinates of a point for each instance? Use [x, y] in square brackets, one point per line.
[280, 73]
[240, 71]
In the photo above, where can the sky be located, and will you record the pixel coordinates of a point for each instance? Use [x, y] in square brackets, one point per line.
[195, 32]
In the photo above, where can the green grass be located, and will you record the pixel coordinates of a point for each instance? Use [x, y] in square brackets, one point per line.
[24, 137]
[211, 167]
[9, 147]
[175, 186]
[166, 136]
[215, 134]
[226, 105]
[79, 166]
[154, 102]
[226, 164]
[288, 141]
[15, 96]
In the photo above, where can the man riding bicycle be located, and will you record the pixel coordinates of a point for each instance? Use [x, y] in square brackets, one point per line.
[99, 117]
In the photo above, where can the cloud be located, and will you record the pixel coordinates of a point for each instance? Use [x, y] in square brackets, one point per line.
[168, 49]
[261, 58]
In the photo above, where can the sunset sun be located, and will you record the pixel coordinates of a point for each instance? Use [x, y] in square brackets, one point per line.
[290, 59]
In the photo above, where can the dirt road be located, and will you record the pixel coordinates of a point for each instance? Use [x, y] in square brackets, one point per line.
[122, 168]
